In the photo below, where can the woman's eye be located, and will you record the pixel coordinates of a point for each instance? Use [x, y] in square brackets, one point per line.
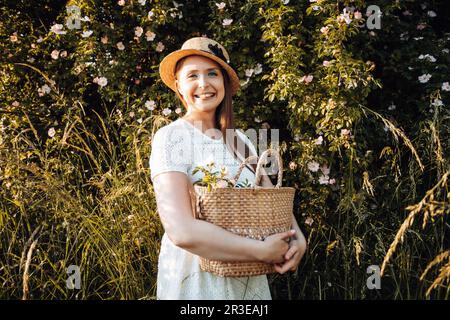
[213, 73]
[192, 75]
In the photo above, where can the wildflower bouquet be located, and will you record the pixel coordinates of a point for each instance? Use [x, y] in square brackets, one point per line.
[217, 179]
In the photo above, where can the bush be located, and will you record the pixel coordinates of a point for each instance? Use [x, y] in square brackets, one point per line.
[361, 114]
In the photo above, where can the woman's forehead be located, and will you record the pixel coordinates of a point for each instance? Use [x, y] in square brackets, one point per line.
[198, 63]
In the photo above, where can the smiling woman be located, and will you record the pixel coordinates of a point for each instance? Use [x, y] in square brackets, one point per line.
[200, 84]
[201, 77]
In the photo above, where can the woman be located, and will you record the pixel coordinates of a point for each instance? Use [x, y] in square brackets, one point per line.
[203, 80]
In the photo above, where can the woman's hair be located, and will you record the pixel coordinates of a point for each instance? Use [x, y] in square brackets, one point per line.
[224, 118]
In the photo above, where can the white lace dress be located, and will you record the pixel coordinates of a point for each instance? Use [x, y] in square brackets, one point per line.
[181, 147]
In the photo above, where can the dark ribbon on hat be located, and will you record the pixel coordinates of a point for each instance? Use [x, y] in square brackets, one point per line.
[217, 51]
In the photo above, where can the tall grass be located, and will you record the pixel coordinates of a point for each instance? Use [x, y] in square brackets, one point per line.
[84, 198]
[78, 199]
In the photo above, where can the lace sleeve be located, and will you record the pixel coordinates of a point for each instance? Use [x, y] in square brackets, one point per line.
[171, 151]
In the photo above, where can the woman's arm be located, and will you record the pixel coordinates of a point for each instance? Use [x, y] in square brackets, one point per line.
[203, 238]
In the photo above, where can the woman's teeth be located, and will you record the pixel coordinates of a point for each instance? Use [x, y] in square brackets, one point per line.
[205, 95]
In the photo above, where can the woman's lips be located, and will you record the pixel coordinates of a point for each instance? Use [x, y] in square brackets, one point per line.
[205, 96]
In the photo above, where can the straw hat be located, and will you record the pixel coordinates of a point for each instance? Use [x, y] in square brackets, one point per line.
[197, 46]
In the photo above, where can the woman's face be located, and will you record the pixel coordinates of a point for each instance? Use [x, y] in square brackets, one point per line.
[200, 83]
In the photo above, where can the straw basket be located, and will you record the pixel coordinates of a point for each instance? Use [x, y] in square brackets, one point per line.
[249, 212]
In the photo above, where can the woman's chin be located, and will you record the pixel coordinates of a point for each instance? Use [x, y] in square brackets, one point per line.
[206, 106]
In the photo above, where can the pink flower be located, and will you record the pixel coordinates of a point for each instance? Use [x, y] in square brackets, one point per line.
[306, 79]
[120, 46]
[324, 30]
[150, 104]
[313, 166]
[138, 31]
[221, 5]
[55, 54]
[227, 22]
[86, 34]
[357, 15]
[150, 36]
[51, 132]
[324, 179]
[421, 26]
[58, 29]
[102, 81]
[319, 140]
[292, 165]
[160, 47]
[221, 184]
[324, 168]
[309, 221]
[326, 63]
[13, 37]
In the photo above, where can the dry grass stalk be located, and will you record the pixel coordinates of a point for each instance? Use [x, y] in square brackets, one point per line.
[367, 185]
[397, 133]
[25, 272]
[30, 240]
[414, 211]
[438, 259]
[444, 274]
[358, 249]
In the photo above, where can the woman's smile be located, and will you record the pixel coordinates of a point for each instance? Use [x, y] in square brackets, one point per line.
[205, 96]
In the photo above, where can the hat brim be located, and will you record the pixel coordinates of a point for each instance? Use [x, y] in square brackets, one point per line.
[167, 67]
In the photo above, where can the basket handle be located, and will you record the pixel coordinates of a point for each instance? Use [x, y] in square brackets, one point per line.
[259, 165]
[196, 202]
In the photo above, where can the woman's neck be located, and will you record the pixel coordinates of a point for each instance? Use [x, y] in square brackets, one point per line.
[208, 120]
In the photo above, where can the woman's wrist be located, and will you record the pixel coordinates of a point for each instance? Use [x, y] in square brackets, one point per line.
[257, 250]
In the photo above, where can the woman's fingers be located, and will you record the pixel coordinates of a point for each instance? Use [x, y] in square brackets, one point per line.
[290, 253]
[282, 268]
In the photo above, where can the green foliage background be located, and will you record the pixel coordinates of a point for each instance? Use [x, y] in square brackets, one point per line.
[74, 178]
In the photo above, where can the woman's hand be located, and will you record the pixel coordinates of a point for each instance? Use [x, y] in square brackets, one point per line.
[276, 246]
[297, 248]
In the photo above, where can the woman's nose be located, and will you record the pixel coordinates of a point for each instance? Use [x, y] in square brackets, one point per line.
[202, 82]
